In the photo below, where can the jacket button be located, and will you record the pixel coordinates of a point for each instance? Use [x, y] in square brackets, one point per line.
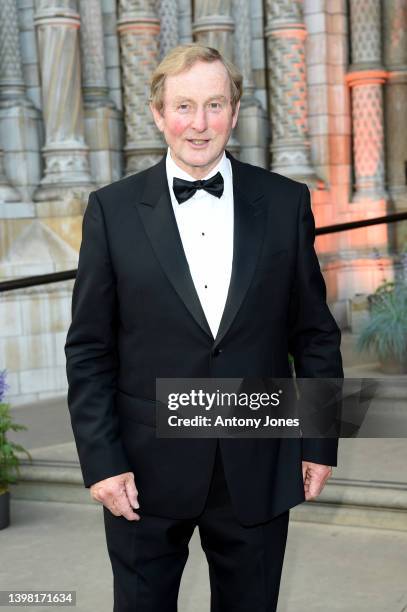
[216, 352]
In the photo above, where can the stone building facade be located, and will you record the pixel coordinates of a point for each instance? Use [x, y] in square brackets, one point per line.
[325, 103]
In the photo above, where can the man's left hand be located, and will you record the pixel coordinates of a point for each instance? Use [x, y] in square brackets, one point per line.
[314, 476]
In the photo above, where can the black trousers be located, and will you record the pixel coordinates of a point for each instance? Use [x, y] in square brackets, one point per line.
[149, 556]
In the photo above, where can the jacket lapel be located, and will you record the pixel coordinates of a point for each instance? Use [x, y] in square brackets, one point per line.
[247, 241]
[159, 221]
[157, 215]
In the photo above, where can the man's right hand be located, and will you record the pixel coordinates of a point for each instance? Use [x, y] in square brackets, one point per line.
[118, 494]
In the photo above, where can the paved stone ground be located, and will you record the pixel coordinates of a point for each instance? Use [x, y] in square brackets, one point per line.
[327, 568]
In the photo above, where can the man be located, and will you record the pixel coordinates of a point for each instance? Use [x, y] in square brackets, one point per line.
[186, 279]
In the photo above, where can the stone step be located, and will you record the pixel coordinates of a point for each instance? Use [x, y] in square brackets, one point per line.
[343, 501]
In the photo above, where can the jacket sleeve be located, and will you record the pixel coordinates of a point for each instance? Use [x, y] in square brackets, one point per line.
[91, 355]
[314, 337]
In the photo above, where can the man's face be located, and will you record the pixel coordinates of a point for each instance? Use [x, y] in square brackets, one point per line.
[197, 117]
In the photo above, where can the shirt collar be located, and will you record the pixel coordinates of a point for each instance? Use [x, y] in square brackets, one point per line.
[174, 170]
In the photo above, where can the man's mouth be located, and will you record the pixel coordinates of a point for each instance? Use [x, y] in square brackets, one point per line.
[198, 142]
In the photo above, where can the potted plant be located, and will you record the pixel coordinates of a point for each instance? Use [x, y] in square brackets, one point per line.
[386, 330]
[9, 461]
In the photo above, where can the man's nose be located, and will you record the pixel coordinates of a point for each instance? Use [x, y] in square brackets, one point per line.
[200, 122]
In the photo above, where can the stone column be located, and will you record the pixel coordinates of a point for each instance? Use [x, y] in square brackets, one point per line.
[395, 59]
[19, 120]
[251, 129]
[168, 13]
[285, 33]
[139, 31]
[112, 52]
[7, 192]
[65, 152]
[103, 123]
[184, 21]
[214, 26]
[366, 77]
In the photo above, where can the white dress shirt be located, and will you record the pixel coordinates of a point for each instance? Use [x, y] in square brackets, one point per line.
[205, 224]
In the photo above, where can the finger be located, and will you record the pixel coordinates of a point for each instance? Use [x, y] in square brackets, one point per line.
[131, 492]
[111, 507]
[121, 503]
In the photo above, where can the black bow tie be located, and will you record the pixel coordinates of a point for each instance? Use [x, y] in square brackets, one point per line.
[183, 190]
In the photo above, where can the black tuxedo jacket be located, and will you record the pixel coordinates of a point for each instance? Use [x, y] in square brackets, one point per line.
[136, 316]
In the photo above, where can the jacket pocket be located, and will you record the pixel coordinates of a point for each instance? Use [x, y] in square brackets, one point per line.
[139, 409]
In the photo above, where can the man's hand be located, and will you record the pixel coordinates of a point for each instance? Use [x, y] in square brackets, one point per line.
[118, 494]
[314, 476]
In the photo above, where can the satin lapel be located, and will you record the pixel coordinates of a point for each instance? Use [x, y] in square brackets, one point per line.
[248, 236]
[159, 221]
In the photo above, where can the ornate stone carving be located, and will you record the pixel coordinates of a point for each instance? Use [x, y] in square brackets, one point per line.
[139, 30]
[365, 32]
[168, 13]
[92, 54]
[18, 118]
[7, 192]
[368, 140]
[285, 32]
[100, 111]
[366, 77]
[65, 151]
[11, 76]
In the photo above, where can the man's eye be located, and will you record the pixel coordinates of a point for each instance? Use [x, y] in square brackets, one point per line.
[183, 107]
[215, 105]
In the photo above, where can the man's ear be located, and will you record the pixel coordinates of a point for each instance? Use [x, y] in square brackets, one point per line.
[158, 117]
[235, 115]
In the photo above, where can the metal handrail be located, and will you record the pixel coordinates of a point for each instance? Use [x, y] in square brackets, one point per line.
[56, 277]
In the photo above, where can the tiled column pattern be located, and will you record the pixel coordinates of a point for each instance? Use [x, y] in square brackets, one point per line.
[168, 13]
[285, 33]
[139, 31]
[92, 54]
[19, 120]
[103, 124]
[65, 152]
[366, 78]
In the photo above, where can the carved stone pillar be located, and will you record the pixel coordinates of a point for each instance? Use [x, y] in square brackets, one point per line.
[7, 192]
[251, 129]
[184, 21]
[214, 26]
[103, 123]
[395, 58]
[366, 77]
[168, 13]
[19, 119]
[65, 151]
[285, 33]
[139, 31]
